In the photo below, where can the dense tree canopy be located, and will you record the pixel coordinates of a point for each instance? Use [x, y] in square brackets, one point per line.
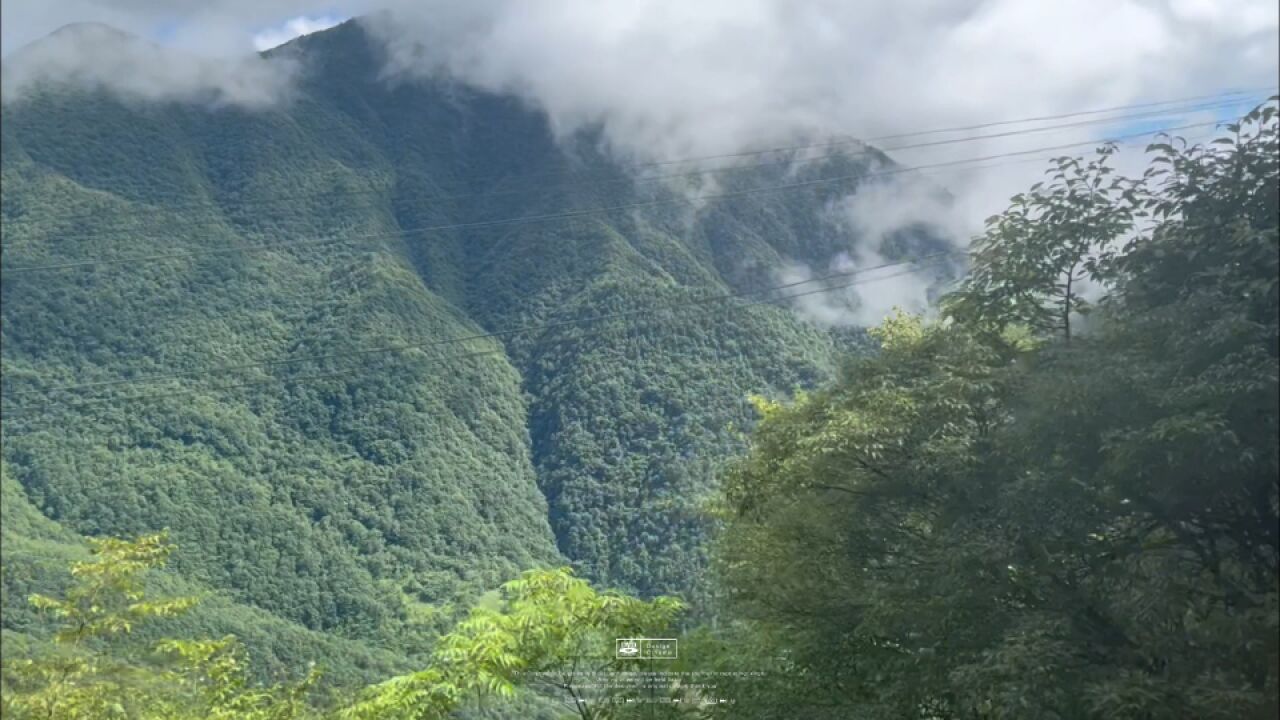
[250, 335]
[88, 676]
[986, 520]
[547, 636]
[248, 327]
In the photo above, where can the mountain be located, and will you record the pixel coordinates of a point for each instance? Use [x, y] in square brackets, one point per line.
[337, 346]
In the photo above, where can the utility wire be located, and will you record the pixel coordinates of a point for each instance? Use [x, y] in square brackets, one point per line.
[1244, 94]
[187, 282]
[983, 126]
[596, 182]
[925, 262]
[1229, 99]
[548, 217]
[89, 402]
[101, 384]
[478, 336]
[937, 260]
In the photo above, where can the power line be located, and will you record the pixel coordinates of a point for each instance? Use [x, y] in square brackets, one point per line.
[548, 217]
[89, 402]
[924, 262]
[298, 297]
[188, 282]
[348, 371]
[919, 265]
[1239, 97]
[478, 336]
[997, 123]
[277, 362]
[587, 179]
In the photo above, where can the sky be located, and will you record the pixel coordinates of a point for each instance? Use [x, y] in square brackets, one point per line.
[674, 78]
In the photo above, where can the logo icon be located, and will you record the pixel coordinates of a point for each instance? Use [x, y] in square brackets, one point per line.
[647, 649]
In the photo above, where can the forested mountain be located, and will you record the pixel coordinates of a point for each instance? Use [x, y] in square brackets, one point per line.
[310, 340]
[386, 358]
[1015, 514]
[1006, 513]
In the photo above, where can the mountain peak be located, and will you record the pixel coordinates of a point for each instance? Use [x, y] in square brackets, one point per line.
[92, 33]
[77, 39]
[82, 28]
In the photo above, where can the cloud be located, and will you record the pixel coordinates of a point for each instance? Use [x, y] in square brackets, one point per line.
[97, 57]
[891, 209]
[296, 27]
[676, 78]
[669, 78]
[896, 202]
[672, 78]
[218, 28]
[857, 300]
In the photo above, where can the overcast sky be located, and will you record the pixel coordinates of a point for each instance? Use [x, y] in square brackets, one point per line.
[675, 78]
[680, 77]
[684, 77]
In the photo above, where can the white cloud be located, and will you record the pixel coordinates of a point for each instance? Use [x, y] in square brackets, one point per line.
[673, 78]
[296, 27]
[669, 78]
[870, 289]
[878, 212]
[95, 56]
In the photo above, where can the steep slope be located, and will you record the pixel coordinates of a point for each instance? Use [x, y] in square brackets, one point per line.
[353, 464]
[36, 552]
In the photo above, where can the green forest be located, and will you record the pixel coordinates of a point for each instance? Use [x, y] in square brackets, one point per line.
[352, 427]
[296, 425]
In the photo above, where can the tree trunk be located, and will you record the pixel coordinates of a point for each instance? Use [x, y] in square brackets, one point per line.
[1066, 305]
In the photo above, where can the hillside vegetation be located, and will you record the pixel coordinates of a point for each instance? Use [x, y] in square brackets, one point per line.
[1004, 513]
[249, 327]
[1017, 514]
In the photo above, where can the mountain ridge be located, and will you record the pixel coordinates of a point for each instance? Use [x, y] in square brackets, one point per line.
[397, 487]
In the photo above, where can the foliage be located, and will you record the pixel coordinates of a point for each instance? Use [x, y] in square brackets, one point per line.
[551, 633]
[1028, 266]
[349, 502]
[547, 629]
[88, 677]
[986, 524]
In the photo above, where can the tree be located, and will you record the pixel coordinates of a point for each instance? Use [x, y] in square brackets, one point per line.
[1028, 265]
[550, 631]
[93, 676]
[986, 521]
[851, 533]
[547, 631]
